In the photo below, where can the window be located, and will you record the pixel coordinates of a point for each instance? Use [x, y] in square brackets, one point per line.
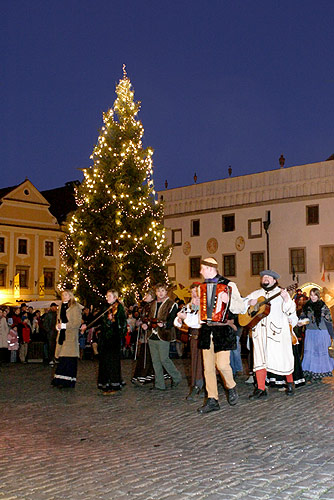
[2, 244]
[297, 260]
[195, 228]
[22, 246]
[257, 263]
[312, 215]
[24, 276]
[176, 237]
[327, 257]
[229, 265]
[171, 271]
[49, 248]
[255, 228]
[228, 223]
[195, 267]
[2, 276]
[49, 278]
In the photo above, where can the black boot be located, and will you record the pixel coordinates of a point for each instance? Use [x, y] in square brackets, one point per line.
[258, 394]
[290, 390]
[233, 396]
[210, 405]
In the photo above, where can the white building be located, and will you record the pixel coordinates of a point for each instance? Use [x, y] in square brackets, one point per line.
[282, 219]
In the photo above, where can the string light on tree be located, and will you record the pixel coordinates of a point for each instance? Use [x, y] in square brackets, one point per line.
[116, 238]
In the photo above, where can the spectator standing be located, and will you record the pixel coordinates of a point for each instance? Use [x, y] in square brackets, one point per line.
[24, 333]
[49, 326]
[16, 317]
[4, 329]
[67, 348]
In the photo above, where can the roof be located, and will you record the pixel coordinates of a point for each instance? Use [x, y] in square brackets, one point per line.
[62, 200]
[4, 191]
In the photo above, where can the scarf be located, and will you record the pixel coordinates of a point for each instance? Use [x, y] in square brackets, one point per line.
[315, 309]
[63, 319]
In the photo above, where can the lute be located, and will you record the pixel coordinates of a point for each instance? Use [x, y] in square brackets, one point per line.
[260, 310]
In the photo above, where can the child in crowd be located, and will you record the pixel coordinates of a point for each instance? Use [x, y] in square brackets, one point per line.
[13, 344]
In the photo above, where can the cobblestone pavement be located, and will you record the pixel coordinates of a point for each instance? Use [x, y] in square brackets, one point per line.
[145, 445]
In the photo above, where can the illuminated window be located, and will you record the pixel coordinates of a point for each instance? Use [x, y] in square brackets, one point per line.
[24, 276]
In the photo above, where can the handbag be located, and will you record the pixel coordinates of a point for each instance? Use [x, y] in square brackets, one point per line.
[331, 349]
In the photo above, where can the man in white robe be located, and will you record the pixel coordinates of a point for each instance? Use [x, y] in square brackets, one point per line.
[272, 346]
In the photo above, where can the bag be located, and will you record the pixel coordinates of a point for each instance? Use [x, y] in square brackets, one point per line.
[331, 349]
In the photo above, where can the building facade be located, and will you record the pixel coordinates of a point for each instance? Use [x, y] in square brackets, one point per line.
[280, 219]
[29, 245]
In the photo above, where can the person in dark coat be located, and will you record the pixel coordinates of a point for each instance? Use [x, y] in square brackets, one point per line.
[111, 329]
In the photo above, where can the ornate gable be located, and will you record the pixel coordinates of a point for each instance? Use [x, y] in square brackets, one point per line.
[24, 205]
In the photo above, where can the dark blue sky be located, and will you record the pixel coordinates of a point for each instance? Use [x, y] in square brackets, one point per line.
[221, 83]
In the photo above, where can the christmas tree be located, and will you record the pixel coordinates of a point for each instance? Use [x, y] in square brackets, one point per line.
[115, 238]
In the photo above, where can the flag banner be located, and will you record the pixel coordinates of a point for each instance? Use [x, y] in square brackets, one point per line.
[323, 271]
[17, 286]
[41, 286]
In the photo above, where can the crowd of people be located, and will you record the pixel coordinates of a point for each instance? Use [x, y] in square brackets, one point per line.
[287, 337]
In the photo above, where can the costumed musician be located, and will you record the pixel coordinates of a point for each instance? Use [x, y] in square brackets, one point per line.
[111, 328]
[189, 315]
[218, 296]
[144, 372]
[272, 346]
[160, 332]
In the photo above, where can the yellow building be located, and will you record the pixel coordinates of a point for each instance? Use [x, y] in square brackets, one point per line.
[29, 245]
